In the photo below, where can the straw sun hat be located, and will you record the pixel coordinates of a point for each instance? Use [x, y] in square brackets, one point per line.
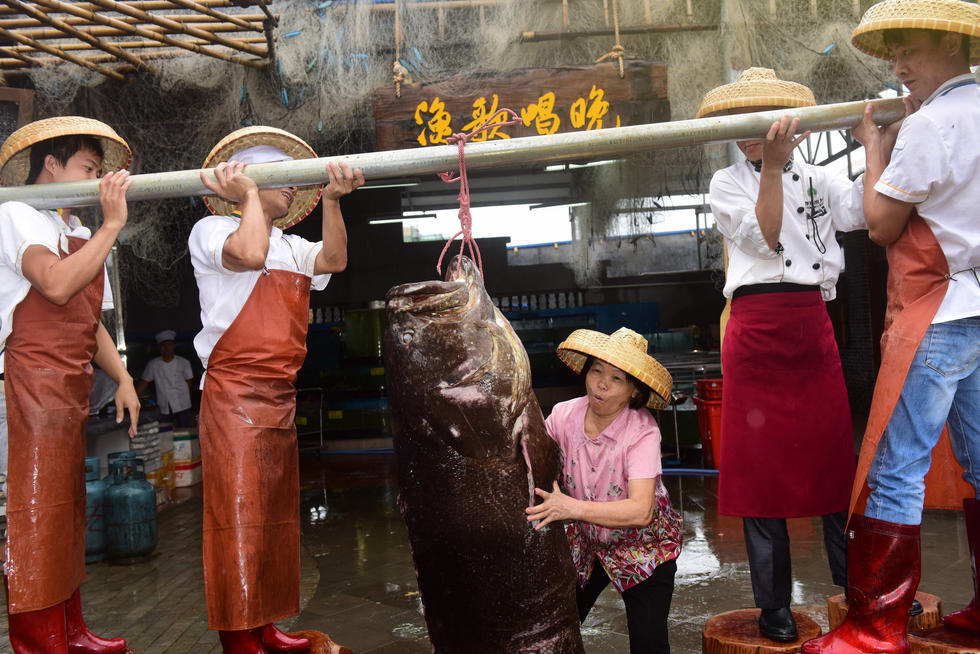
[15, 153]
[755, 87]
[306, 196]
[942, 15]
[624, 349]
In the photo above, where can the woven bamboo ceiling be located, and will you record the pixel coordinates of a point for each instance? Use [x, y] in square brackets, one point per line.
[115, 38]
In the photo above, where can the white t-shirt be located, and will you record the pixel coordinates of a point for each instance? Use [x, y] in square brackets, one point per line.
[936, 166]
[22, 226]
[223, 292]
[836, 205]
[170, 381]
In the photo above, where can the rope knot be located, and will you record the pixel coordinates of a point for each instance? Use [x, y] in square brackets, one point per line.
[465, 217]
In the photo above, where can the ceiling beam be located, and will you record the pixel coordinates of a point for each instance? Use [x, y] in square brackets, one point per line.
[175, 26]
[126, 45]
[61, 54]
[71, 31]
[207, 23]
[146, 34]
[144, 5]
[227, 18]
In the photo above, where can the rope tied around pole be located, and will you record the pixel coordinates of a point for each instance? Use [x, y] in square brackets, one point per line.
[618, 51]
[465, 217]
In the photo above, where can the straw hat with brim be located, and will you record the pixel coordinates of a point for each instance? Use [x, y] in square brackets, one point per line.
[755, 87]
[15, 153]
[941, 15]
[624, 349]
[306, 196]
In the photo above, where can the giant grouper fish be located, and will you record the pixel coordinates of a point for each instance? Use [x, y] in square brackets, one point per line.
[471, 446]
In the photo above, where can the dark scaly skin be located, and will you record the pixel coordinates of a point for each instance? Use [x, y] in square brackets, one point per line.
[466, 424]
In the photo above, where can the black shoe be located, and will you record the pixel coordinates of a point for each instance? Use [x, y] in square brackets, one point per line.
[916, 608]
[778, 625]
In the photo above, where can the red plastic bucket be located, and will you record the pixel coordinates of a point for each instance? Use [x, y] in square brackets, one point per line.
[709, 389]
[708, 402]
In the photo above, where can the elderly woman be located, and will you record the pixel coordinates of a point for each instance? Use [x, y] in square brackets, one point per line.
[621, 526]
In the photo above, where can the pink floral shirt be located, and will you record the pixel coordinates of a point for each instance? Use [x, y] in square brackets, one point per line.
[598, 470]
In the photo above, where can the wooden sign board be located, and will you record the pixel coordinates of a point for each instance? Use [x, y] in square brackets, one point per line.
[548, 100]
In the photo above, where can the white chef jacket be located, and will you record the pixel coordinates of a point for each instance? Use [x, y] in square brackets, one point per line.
[22, 226]
[223, 292]
[835, 204]
[936, 166]
[170, 383]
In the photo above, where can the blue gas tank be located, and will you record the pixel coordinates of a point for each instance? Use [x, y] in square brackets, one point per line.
[112, 458]
[95, 543]
[130, 511]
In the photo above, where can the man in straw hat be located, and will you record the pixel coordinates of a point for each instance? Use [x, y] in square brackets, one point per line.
[254, 283]
[52, 292]
[921, 195]
[788, 448]
[622, 527]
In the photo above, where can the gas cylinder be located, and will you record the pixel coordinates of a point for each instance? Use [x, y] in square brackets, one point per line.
[130, 511]
[113, 457]
[94, 511]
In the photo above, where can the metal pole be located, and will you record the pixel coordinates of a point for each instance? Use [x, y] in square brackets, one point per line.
[570, 146]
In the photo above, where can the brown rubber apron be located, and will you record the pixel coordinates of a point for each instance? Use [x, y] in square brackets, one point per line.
[250, 457]
[917, 284]
[48, 376]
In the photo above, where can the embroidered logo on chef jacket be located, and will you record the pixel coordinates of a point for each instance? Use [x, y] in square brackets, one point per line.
[816, 208]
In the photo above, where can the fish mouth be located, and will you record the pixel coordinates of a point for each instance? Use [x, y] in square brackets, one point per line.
[431, 298]
[458, 293]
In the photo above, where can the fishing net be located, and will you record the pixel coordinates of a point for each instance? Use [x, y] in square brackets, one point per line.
[330, 56]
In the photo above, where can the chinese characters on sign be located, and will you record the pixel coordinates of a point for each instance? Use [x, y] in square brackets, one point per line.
[587, 113]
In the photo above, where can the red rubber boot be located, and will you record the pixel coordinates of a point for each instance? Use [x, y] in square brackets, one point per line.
[246, 641]
[883, 572]
[80, 639]
[38, 632]
[277, 641]
[968, 619]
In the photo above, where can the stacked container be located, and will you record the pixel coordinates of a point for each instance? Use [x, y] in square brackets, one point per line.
[187, 458]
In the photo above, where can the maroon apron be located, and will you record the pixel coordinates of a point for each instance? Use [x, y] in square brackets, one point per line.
[917, 282]
[787, 446]
[48, 376]
[250, 458]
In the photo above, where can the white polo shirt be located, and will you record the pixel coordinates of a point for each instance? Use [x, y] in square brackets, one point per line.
[224, 292]
[936, 166]
[832, 201]
[22, 226]
[170, 382]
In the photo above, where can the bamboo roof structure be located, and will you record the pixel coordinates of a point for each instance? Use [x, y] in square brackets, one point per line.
[119, 37]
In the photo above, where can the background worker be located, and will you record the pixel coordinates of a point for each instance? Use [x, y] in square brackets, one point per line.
[172, 377]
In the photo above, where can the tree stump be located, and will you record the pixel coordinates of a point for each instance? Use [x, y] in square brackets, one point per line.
[930, 618]
[737, 632]
[320, 643]
[943, 641]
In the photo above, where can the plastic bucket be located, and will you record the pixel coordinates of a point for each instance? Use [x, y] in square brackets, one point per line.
[709, 424]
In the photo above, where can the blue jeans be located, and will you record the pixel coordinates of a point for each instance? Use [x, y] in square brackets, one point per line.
[943, 386]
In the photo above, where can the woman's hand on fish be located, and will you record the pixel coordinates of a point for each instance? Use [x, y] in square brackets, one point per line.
[556, 507]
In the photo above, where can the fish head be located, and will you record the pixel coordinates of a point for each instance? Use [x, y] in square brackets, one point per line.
[454, 362]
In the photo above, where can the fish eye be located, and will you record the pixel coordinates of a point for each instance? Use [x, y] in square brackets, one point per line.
[408, 337]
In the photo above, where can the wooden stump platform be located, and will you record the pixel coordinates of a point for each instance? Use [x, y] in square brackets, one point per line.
[320, 643]
[737, 632]
[943, 641]
[930, 618]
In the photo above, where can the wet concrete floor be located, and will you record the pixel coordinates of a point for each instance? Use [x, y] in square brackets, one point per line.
[359, 584]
